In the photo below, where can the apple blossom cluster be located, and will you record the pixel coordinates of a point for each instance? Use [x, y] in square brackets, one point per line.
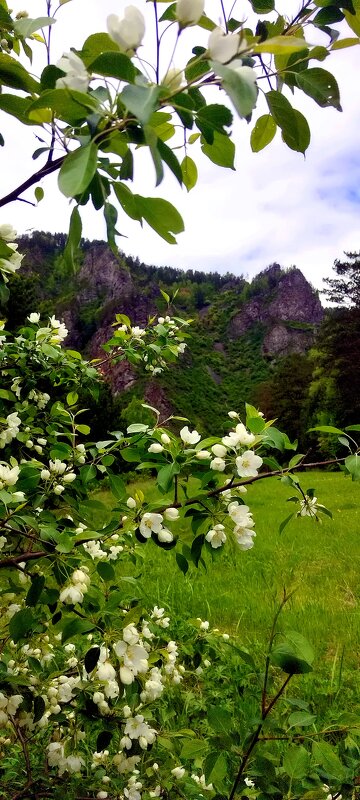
[223, 48]
[11, 261]
[153, 345]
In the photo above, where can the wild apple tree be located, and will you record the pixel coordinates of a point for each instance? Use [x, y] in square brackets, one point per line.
[97, 690]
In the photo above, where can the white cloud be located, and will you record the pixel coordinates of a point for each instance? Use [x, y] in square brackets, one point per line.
[275, 207]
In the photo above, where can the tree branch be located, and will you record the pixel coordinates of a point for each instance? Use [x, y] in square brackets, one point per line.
[47, 169]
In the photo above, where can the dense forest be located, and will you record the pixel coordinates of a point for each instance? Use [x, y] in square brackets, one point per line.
[268, 341]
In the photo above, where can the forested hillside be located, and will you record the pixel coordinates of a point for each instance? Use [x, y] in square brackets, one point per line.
[267, 341]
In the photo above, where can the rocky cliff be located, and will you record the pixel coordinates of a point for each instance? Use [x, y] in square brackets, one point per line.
[240, 329]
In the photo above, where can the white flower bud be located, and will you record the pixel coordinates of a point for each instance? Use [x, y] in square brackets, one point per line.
[165, 438]
[156, 447]
[188, 12]
[219, 450]
[172, 514]
[131, 503]
[128, 32]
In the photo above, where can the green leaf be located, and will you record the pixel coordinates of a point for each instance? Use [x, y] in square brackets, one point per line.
[182, 563]
[39, 193]
[34, 592]
[219, 719]
[193, 749]
[77, 170]
[96, 44]
[321, 86]
[6, 394]
[128, 201]
[263, 133]
[239, 86]
[39, 708]
[213, 117]
[75, 627]
[21, 624]
[168, 155]
[105, 570]
[16, 106]
[73, 241]
[66, 104]
[25, 27]
[301, 719]
[277, 45]
[166, 476]
[88, 473]
[299, 138]
[325, 755]
[114, 65]
[161, 215]
[294, 655]
[326, 429]
[141, 101]
[263, 6]
[215, 768]
[221, 152]
[296, 762]
[352, 465]
[285, 522]
[293, 124]
[117, 486]
[189, 173]
[13, 74]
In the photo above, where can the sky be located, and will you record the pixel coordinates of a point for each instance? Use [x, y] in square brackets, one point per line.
[276, 206]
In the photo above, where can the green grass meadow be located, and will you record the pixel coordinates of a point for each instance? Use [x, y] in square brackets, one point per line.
[238, 591]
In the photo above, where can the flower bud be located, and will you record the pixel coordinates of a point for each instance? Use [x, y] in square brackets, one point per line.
[222, 46]
[172, 514]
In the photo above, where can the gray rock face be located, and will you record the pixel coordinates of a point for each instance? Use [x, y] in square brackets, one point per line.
[101, 274]
[292, 300]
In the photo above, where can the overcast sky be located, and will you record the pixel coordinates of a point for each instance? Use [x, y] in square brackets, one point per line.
[276, 206]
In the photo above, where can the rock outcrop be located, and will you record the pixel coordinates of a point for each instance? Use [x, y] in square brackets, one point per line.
[288, 308]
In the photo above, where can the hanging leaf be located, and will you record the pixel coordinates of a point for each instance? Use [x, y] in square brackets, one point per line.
[263, 133]
[77, 170]
[321, 86]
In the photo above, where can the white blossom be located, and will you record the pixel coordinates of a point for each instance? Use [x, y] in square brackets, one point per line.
[223, 46]
[34, 317]
[189, 437]
[76, 77]
[178, 772]
[7, 232]
[150, 522]
[248, 464]
[8, 475]
[216, 536]
[129, 31]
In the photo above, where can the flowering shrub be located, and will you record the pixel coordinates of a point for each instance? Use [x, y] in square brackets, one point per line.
[99, 694]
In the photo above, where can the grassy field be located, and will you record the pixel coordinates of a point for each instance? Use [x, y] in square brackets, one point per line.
[238, 591]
